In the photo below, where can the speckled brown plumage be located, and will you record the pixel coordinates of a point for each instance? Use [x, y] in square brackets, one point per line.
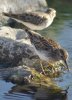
[50, 50]
[28, 17]
[42, 43]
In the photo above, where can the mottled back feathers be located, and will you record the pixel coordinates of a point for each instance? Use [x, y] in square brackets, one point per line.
[28, 17]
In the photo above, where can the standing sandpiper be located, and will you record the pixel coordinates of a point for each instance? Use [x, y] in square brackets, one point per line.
[48, 50]
[35, 20]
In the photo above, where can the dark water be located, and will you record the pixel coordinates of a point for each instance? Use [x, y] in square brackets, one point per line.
[61, 31]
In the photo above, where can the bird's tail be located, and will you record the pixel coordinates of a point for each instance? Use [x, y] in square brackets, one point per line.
[9, 15]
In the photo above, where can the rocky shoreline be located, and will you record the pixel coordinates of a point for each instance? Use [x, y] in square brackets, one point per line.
[19, 63]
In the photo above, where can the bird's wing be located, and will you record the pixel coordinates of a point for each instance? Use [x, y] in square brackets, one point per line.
[34, 18]
[41, 43]
[54, 44]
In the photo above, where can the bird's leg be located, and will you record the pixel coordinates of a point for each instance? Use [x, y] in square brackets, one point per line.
[42, 67]
[52, 67]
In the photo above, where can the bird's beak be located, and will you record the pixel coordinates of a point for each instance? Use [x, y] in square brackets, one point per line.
[65, 64]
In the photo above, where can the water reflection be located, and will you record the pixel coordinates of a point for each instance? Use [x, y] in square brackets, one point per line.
[33, 93]
[28, 91]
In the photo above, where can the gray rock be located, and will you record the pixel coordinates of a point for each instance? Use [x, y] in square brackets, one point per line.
[19, 74]
[19, 6]
[15, 46]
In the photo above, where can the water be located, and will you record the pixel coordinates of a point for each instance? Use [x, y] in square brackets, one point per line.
[61, 31]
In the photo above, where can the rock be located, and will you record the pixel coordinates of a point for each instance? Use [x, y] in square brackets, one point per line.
[17, 75]
[14, 34]
[15, 46]
[20, 6]
[25, 75]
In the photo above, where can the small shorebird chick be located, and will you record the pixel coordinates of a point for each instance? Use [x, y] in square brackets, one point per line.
[48, 50]
[35, 20]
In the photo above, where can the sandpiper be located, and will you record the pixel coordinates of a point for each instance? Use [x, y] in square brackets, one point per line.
[35, 20]
[48, 50]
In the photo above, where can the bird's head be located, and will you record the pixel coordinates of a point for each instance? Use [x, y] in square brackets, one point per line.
[61, 56]
[52, 12]
[64, 56]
